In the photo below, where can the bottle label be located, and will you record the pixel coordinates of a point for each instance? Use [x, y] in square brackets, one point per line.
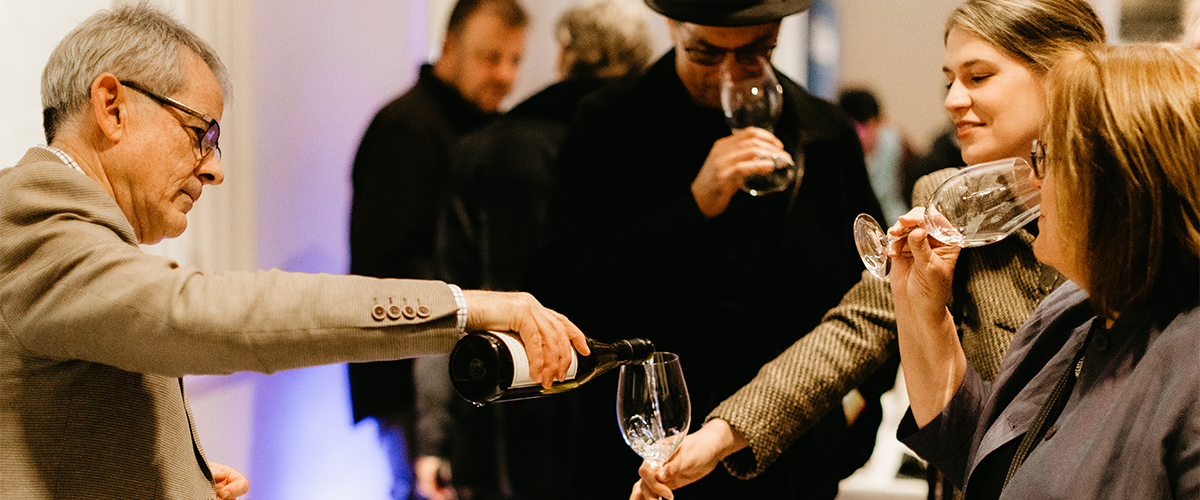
[521, 376]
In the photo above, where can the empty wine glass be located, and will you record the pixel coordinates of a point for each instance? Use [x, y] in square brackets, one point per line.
[756, 101]
[653, 408]
[978, 205]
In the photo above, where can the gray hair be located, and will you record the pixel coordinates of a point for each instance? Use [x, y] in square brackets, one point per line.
[604, 39]
[138, 43]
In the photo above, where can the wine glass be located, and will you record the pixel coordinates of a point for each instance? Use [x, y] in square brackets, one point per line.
[756, 101]
[978, 205]
[653, 408]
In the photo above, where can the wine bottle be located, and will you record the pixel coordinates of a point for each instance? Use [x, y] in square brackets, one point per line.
[487, 367]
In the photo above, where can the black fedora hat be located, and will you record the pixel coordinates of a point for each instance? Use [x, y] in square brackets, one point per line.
[728, 12]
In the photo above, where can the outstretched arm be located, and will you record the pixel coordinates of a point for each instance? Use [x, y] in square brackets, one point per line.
[697, 456]
[548, 336]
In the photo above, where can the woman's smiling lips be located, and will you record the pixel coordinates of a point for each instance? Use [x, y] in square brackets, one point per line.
[963, 127]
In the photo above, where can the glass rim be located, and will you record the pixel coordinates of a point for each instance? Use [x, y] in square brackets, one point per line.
[660, 358]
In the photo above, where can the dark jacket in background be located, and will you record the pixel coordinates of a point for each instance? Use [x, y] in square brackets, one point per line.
[398, 174]
[491, 225]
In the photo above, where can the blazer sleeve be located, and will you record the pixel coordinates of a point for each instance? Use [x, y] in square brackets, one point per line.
[792, 392]
[75, 286]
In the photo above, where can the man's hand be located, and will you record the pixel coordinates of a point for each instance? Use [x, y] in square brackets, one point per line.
[731, 159]
[230, 483]
[432, 484]
[548, 336]
[697, 456]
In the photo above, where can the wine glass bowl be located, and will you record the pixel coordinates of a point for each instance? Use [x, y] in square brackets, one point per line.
[978, 205]
[653, 408]
[756, 100]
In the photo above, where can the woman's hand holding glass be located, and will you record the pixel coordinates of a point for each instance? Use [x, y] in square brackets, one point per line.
[979, 205]
[698, 455]
[930, 353]
[922, 266]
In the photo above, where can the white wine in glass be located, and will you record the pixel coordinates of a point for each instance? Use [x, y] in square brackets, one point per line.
[978, 205]
[653, 408]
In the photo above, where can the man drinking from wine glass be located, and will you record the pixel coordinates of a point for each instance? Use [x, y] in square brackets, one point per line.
[655, 238]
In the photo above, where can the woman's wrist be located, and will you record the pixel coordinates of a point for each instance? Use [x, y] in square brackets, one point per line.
[722, 438]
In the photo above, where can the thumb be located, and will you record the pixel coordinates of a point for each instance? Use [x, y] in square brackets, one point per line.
[918, 243]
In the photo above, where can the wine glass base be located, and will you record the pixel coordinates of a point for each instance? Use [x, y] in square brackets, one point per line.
[872, 243]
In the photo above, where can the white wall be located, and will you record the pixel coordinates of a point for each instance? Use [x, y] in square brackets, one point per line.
[29, 31]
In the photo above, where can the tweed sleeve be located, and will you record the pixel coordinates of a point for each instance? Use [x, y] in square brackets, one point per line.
[792, 392]
[996, 287]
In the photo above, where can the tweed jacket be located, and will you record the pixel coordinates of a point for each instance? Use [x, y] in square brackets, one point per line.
[95, 336]
[996, 288]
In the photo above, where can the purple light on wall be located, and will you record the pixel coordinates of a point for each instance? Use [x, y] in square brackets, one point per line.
[322, 70]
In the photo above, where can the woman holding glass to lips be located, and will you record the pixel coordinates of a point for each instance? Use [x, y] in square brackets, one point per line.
[996, 59]
[1100, 388]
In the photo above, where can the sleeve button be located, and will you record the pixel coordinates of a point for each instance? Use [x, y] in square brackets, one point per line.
[423, 312]
[393, 312]
[410, 312]
[378, 312]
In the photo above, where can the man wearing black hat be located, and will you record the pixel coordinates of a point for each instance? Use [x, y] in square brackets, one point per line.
[656, 238]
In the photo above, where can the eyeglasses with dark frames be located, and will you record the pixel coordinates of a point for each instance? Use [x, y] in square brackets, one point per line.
[713, 56]
[207, 141]
[1037, 159]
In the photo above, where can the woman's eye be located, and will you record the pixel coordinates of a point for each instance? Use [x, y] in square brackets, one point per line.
[980, 78]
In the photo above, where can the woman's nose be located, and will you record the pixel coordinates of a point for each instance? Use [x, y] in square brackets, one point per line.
[956, 97]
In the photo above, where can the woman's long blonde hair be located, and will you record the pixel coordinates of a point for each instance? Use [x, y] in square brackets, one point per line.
[1123, 140]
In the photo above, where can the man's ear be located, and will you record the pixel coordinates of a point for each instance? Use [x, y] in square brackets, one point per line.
[109, 104]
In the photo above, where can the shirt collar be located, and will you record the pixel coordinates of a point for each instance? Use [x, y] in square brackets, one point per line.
[62, 155]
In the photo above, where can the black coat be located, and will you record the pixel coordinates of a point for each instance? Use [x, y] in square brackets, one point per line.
[633, 256]
[492, 223]
[398, 174]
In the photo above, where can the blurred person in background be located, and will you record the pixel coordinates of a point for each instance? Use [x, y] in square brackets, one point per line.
[491, 226]
[399, 172]
[944, 152]
[888, 155]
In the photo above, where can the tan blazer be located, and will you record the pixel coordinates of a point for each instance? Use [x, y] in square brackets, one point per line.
[95, 335]
[996, 288]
